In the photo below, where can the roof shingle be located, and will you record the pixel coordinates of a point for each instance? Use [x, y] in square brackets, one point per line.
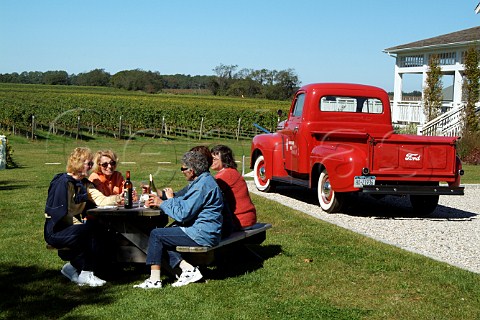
[467, 35]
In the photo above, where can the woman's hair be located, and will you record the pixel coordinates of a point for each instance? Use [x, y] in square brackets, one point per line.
[103, 153]
[195, 161]
[77, 158]
[226, 156]
[206, 152]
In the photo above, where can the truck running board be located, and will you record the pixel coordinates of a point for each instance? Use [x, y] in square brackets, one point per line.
[291, 180]
[417, 190]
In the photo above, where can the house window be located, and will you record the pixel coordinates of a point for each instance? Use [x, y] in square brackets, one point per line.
[446, 58]
[410, 61]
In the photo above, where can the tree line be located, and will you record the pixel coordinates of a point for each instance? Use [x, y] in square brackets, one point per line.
[227, 81]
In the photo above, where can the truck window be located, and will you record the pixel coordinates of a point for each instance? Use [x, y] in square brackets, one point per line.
[351, 104]
[298, 107]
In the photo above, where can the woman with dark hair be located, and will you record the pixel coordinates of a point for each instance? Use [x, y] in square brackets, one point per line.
[198, 213]
[234, 187]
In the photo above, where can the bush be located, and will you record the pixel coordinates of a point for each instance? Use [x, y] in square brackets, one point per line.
[469, 148]
[10, 163]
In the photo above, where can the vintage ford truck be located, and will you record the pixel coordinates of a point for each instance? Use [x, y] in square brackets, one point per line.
[339, 139]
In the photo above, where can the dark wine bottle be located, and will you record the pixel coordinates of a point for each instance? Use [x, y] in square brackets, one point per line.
[128, 192]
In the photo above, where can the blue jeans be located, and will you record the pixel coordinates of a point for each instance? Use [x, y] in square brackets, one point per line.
[162, 243]
[83, 242]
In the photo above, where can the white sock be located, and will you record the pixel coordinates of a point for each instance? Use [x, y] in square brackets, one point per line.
[155, 275]
[185, 266]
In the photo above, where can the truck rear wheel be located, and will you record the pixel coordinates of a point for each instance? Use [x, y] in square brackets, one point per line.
[261, 181]
[330, 201]
[424, 205]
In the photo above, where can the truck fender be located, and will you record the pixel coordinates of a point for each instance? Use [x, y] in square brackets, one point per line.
[266, 145]
[342, 162]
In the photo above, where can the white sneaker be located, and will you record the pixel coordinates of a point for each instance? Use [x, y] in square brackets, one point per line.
[70, 272]
[89, 279]
[188, 277]
[149, 284]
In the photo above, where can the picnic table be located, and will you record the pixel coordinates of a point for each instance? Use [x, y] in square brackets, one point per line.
[131, 228]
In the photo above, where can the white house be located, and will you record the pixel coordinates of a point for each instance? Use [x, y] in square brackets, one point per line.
[413, 58]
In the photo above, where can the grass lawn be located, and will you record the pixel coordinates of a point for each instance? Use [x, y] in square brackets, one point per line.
[312, 270]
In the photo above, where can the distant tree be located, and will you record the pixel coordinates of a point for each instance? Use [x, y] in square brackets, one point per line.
[288, 81]
[214, 86]
[245, 88]
[97, 77]
[471, 89]
[56, 77]
[137, 79]
[432, 93]
[10, 78]
[225, 75]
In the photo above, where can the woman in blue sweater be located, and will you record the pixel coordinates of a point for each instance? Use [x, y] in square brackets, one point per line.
[198, 213]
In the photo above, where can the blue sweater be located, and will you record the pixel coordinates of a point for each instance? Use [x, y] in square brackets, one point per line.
[198, 210]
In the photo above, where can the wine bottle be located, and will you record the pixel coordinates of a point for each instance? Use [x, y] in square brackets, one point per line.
[153, 189]
[128, 192]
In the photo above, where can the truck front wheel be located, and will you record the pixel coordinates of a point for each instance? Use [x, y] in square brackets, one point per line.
[261, 181]
[423, 205]
[330, 201]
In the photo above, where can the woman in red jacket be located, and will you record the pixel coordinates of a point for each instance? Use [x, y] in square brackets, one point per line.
[234, 187]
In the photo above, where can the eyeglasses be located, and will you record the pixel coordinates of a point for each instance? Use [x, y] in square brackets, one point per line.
[105, 164]
[90, 163]
[184, 169]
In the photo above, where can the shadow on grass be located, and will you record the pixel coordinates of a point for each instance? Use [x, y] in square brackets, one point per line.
[32, 293]
[12, 185]
[388, 207]
[239, 260]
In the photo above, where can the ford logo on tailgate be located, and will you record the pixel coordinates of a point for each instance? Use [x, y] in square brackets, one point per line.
[412, 157]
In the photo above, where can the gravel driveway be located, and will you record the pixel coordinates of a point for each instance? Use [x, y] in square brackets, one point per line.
[450, 234]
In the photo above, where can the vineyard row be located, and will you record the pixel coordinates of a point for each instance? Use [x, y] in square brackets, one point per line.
[24, 108]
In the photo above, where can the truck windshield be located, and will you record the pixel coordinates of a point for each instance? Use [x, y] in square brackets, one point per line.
[351, 104]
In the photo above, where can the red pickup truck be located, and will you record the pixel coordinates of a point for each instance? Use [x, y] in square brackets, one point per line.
[338, 138]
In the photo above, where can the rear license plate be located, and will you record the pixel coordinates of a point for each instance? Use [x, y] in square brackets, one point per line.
[360, 181]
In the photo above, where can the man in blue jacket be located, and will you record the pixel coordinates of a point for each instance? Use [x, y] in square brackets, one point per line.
[198, 213]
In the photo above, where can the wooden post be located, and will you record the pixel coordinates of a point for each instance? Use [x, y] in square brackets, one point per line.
[201, 129]
[120, 128]
[33, 127]
[238, 127]
[243, 165]
[161, 128]
[78, 128]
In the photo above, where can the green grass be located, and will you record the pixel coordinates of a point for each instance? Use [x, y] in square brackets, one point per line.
[472, 174]
[313, 270]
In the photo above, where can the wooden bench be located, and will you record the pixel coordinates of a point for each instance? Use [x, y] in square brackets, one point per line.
[199, 255]
[205, 255]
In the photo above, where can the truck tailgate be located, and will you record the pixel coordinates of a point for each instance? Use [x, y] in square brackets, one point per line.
[406, 157]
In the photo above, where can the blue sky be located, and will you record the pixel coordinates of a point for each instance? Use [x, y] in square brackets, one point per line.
[323, 41]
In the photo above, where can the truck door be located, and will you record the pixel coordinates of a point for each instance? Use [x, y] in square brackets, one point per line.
[293, 142]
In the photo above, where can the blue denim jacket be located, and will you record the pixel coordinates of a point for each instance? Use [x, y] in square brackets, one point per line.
[198, 210]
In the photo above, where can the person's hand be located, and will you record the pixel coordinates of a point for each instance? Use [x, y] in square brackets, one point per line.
[153, 201]
[168, 192]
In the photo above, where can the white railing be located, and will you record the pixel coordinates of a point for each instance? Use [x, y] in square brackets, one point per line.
[406, 112]
[447, 124]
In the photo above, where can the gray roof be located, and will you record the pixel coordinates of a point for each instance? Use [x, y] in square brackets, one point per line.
[459, 37]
